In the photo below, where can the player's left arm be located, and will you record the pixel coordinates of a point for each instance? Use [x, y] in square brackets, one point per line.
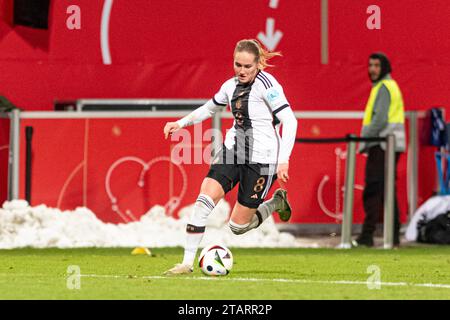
[289, 131]
[276, 99]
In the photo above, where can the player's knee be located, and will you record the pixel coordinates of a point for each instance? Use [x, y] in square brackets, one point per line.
[238, 228]
[213, 188]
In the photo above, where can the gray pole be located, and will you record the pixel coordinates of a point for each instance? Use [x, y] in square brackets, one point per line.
[347, 219]
[413, 155]
[14, 154]
[217, 133]
[389, 192]
[324, 54]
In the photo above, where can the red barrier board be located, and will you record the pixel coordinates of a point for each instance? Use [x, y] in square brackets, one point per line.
[4, 154]
[120, 168]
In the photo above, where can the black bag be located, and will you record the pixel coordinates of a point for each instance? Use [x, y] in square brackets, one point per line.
[436, 230]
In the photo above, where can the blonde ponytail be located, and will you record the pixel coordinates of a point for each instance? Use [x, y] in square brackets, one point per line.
[254, 46]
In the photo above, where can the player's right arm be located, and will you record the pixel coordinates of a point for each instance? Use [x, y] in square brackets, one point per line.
[204, 112]
[198, 115]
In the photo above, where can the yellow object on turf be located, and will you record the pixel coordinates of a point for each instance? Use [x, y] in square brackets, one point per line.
[141, 250]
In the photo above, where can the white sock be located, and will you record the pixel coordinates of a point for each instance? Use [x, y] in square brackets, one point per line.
[268, 207]
[264, 211]
[196, 227]
[237, 228]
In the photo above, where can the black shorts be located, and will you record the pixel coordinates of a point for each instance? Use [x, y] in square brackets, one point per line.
[255, 180]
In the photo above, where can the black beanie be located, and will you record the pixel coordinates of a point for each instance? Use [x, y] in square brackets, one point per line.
[385, 64]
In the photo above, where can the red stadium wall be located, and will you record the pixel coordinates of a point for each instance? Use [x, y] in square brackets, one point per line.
[179, 49]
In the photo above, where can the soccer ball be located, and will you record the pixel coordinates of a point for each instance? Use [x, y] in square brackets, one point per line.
[215, 260]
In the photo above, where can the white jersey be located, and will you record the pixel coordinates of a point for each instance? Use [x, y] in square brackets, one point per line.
[258, 108]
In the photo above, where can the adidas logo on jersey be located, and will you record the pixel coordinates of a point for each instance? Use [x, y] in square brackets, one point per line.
[255, 196]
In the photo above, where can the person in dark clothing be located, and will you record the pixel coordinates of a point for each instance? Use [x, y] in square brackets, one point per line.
[384, 115]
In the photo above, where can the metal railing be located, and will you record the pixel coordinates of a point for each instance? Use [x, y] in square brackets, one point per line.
[14, 155]
[137, 104]
[389, 189]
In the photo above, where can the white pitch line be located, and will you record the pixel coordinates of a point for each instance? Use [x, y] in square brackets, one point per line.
[303, 281]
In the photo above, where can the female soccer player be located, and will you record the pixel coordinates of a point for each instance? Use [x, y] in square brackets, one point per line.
[252, 154]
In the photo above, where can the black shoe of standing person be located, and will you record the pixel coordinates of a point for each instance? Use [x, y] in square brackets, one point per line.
[363, 241]
[396, 241]
[396, 236]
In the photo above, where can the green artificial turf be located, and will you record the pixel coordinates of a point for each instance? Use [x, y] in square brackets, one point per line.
[287, 274]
